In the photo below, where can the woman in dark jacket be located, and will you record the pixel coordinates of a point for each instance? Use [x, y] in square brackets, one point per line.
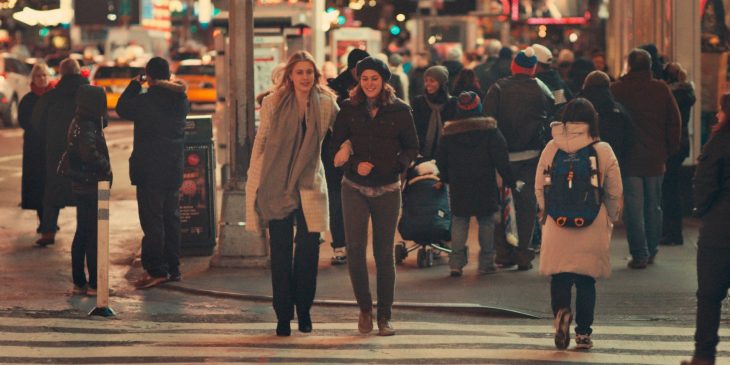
[684, 93]
[467, 80]
[615, 126]
[711, 193]
[437, 98]
[34, 158]
[472, 150]
[383, 144]
[87, 164]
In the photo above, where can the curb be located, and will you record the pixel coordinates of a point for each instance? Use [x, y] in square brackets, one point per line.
[446, 307]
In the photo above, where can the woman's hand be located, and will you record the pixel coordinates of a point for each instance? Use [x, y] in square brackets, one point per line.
[364, 168]
[343, 155]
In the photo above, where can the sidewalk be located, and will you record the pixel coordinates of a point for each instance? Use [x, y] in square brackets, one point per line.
[669, 285]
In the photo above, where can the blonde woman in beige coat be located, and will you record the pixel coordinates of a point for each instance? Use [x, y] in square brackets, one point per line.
[286, 185]
[578, 255]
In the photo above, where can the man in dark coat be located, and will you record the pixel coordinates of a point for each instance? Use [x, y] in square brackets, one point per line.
[658, 128]
[341, 85]
[482, 70]
[51, 117]
[156, 167]
[522, 105]
[550, 77]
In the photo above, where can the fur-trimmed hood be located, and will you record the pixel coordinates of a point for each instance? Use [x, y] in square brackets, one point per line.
[176, 85]
[469, 125]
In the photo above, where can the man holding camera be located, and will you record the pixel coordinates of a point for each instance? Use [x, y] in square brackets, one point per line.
[156, 166]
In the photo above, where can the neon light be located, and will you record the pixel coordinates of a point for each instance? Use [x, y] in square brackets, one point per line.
[554, 21]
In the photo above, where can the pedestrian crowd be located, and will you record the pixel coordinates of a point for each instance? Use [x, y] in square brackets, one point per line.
[547, 153]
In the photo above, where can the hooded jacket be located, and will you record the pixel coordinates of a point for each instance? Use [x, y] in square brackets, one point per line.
[584, 250]
[656, 120]
[159, 122]
[684, 95]
[471, 150]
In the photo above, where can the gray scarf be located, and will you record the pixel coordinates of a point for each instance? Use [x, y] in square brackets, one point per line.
[290, 157]
[435, 124]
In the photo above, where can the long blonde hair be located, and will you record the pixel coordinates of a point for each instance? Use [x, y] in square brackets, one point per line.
[39, 67]
[285, 84]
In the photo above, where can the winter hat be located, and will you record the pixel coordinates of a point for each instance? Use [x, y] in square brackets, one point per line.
[438, 73]
[370, 63]
[157, 69]
[395, 60]
[544, 55]
[505, 53]
[91, 101]
[468, 105]
[354, 57]
[525, 62]
[597, 79]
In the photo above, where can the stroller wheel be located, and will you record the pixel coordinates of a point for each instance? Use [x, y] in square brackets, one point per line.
[401, 252]
[422, 258]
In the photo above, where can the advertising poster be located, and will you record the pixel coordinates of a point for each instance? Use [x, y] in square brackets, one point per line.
[194, 200]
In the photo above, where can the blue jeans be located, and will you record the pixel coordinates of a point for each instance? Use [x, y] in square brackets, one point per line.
[459, 233]
[643, 214]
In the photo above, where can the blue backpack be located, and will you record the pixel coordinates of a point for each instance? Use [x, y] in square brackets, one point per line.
[573, 193]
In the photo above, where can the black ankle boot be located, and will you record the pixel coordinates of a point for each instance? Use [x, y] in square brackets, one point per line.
[283, 328]
[305, 324]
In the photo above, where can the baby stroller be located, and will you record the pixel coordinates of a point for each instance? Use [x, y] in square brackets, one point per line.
[426, 217]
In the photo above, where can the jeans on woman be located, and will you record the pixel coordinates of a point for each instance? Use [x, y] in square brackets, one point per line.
[83, 248]
[585, 298]
[294, 282]
[383, 210]
[459, 233]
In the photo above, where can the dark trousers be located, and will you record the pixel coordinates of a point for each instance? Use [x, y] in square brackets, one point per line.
[294, 282]
[39, 212]
[525, 214]
[585, 298]
[159, 215]
[83, 247]
[334, 191]
[671, 204]
[49, 219]
[713, 282]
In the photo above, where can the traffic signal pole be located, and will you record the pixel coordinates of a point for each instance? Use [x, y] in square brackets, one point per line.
[238, 248]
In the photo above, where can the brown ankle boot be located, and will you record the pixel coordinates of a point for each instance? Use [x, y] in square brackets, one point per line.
[385, 328]
[46, 239]
[365, 322]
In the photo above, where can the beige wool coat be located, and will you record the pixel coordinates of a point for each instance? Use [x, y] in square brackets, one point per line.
[314, 201]
[584, 250]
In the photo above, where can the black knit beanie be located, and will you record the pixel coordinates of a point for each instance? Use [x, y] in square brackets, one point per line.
[354, 57]
[370, 63]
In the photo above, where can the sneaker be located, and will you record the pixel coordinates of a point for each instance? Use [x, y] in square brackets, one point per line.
[339, 256]
[456, 272]
[148, 281]
[487, 270]
[637, 264]
[79, 290]
[385, 328]
[46, 239]
[562, 328]
[365, 322]
[583, 342]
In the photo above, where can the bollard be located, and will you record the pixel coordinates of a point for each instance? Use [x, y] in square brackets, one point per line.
[102, 243]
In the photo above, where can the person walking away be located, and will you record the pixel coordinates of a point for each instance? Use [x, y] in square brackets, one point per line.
[286, 186]
[471, 150]
[156, 166]
[342, 86]
[615, 125]
[684, 94]
[51, 118]
[467, 80]
[657, 122]
[522, 105]
[454, 65]
[432, 109]
[384, 143]
[578, 254]
[87, 163]
[550, 77]
[492, 54]
[502, 68]
[395, 61]
[34, 159]
[416, 87]
[711, 196]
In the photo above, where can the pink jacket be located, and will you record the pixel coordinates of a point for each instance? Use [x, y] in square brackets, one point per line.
[580, 250]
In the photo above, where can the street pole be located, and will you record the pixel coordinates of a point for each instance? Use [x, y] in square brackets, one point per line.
[238, 248]
[318, 36]
[102, 243]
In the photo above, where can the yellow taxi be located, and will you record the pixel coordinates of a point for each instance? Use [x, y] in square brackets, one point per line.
[114, 79]
[200, 80]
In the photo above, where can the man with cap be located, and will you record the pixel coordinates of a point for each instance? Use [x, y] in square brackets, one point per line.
[551, 77]
[471, 149]
[522, 105]
[341, 85]
[156, 166]
[432, 109]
